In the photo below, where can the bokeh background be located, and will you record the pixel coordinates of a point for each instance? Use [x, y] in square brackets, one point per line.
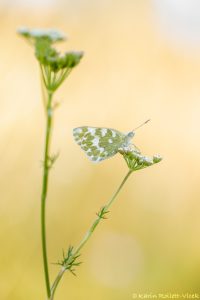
[142, 60]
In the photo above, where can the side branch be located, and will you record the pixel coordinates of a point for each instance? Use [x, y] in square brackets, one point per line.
[101, 215]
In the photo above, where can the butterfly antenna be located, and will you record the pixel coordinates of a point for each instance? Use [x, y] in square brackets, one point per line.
[142, 124]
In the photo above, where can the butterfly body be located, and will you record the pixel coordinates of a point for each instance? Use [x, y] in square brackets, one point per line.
[101, 143]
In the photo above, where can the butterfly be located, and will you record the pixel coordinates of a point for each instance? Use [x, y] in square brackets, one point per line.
[101, 143]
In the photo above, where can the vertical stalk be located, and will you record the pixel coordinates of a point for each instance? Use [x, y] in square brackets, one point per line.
[49, 116]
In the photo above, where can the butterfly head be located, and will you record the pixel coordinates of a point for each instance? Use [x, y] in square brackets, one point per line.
[130, 135]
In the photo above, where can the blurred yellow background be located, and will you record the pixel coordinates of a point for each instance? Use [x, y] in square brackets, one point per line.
[142, 60]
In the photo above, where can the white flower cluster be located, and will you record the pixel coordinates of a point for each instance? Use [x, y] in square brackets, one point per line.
[136, 160]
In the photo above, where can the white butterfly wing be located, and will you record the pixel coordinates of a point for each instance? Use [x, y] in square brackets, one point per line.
[98, 143]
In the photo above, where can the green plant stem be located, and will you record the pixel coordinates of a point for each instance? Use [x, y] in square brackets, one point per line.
[88, 234]
[98, 219]
[44, 190]
[56, 282]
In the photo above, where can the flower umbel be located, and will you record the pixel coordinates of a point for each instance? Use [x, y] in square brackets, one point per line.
[136, 161]
[55, 67]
